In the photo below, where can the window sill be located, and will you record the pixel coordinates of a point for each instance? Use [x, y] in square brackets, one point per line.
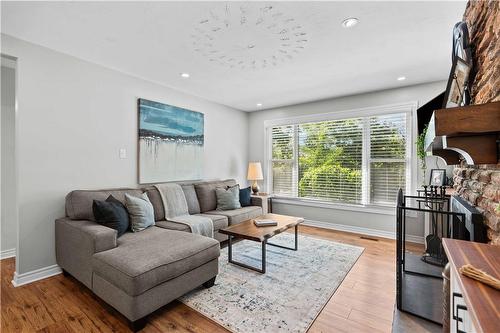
[384, 210]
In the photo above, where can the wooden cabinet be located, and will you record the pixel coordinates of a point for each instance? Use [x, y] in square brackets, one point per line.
[460, 319]
[474, 306]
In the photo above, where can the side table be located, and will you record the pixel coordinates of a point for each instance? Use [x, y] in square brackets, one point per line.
[267, 197]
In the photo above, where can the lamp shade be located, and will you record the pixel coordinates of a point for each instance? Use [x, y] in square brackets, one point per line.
[254, 171]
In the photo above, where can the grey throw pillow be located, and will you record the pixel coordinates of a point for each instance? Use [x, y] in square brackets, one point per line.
[140, 211]
[229, 198]
[191, 198]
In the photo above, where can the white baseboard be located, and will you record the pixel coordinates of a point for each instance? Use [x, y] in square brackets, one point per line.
[7, 253]
[37, 274]
[362, 230]
[415, 239]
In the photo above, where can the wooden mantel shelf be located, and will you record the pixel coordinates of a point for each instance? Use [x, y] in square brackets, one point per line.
[469, 131]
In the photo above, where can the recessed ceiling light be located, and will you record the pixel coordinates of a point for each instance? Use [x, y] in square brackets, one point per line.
[185, 75]
[259, 104]
[350, 22]
[401, 78]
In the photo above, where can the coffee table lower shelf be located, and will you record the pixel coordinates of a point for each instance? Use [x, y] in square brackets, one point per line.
[265, 242]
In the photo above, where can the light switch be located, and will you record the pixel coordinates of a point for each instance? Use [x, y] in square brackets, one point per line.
[123, 153]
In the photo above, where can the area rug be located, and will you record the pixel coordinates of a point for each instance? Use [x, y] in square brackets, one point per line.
[287, 298]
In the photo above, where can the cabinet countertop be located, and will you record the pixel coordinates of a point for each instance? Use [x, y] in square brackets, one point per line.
[483, 301]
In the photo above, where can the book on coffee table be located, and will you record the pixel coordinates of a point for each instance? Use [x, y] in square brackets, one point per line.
[264, 222]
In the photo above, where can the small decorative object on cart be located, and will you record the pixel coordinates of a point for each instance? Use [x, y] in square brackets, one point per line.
[438, 177]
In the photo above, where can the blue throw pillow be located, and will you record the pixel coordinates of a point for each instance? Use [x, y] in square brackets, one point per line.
[245, 198]
[112, 214]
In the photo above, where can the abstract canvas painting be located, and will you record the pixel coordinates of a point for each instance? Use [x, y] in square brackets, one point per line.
[170, 143]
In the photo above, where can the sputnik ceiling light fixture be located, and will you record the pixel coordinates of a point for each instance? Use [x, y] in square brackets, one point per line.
[248, 36]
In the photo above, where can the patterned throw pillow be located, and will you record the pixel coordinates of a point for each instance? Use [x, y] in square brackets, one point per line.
[228, 199]
[141, 212]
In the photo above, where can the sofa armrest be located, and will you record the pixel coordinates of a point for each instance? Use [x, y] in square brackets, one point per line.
[97, 237]
[260, 201]
[77, 241]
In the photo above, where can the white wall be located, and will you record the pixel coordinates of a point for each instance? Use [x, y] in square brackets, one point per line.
[8, 194]
[379, 222]
[73, 117]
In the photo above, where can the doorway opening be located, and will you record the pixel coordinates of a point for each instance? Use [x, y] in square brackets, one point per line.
[8, 181]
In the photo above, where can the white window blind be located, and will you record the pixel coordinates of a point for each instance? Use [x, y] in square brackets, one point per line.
[330, 160]
[356, 161]
[283, 154]
[387, 157]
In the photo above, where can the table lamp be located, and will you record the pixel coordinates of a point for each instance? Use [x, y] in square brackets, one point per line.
[255, 173]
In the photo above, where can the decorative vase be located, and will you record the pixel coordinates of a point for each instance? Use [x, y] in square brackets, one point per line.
[255, 187]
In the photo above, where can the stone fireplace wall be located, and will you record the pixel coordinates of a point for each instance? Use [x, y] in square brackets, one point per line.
[480, 185]
[483, 22]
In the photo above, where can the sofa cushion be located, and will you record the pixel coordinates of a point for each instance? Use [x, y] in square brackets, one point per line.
[228, 198]
[236, 216]
[146, 259]
[155, 199]
[174, 200]
[112, 214]
[79, 202]
[206, 193]
[191, 198]
[141, 212]
[219, 222]
[173, 225]
[246, 196]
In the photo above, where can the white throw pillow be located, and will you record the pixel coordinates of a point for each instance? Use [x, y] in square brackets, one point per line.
[140, 211]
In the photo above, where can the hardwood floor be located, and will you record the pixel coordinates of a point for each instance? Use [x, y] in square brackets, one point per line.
[364, 302]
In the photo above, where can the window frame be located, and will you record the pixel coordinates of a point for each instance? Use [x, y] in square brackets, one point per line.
[409, 108]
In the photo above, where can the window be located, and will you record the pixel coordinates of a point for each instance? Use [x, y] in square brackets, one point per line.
[361, 161]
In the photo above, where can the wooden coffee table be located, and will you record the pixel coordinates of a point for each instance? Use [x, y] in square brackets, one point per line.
[248, 230]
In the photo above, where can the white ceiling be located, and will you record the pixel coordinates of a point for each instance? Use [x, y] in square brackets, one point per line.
[243, 53]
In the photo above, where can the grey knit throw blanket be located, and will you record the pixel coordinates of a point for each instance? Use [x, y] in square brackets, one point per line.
[176, 210]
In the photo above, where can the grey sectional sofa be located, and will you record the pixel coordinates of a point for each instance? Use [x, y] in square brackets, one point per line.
[140, 272]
